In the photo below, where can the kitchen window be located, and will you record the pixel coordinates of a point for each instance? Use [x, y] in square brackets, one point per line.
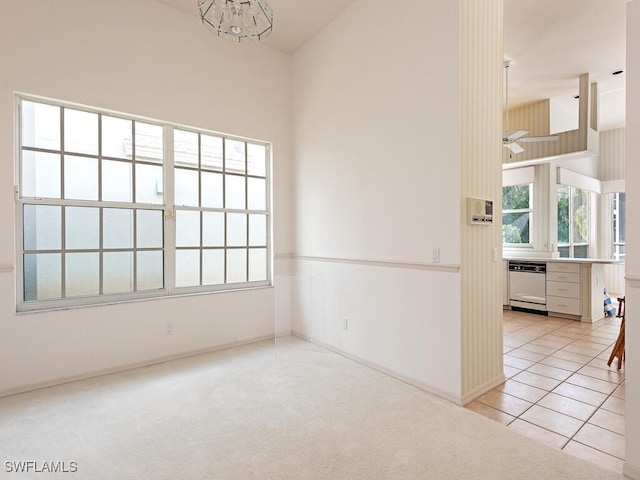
[517, 209]
[618, 215]
[113, 207]
[573, 222]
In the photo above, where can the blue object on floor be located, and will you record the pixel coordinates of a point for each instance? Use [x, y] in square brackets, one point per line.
[609, 308]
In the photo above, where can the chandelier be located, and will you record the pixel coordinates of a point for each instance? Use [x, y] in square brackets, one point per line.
[237, 20]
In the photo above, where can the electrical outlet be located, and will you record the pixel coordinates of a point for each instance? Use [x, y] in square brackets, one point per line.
[168, 328]
[345, 323]
[435, 255]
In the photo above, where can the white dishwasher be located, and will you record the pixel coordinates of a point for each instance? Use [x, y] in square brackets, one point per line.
[527, 285]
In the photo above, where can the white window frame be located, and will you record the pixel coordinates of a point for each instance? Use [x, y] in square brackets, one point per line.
[168, 208]
[529, 210]
[616, 220]
[572, 244]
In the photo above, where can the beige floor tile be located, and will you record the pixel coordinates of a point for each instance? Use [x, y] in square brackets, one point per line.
[601, 439]
[609, 421]
[615, 405]
[539, 434]
[592, 383]
[572, 357]
[552, 420]
[582, 349]
[562, 363]
[580, 394]
[567, 406]
[523, 391]
[555, 344]
[504, 402]
[532, 356]
[535, 380]
[510, 372]
[594, 456]
[619, 392]
[602, 364]
[603, 340]
[516, 362]
[549, 371]
[543, 350]
[611, 375]
[490, 412]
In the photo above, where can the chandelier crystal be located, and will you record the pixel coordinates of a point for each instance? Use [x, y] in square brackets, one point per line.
[237, 20]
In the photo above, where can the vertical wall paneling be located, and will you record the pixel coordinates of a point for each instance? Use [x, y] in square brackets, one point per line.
[481, 44]
[632, 274]
[611, 155]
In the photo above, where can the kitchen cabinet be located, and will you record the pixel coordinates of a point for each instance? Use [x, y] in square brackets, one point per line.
[563, 288]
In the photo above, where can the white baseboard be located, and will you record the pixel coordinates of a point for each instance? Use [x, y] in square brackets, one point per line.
[123, 368]
[392, 373]
[482, 389]
[631, 471]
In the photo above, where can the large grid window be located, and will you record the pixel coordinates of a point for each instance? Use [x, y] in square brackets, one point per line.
[517, 208]
[112, 207]
[573, 222]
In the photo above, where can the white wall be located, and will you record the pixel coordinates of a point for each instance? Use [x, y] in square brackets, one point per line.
[376, 120]
[147, 59]
[632, 292]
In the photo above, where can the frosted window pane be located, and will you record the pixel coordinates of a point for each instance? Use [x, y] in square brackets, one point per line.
[234, 156]
[149, 184]
[82, 228]
[148, 142]
[236, 230]
[257, 264]
[116, 137]
[150, 270]
[40, 174]
[82, 272]
[212, 229]
[42, 227]
[185, 148]
[234, 191]
[116, 181]
[42, 276]
[186, 187]
[40, 125]
[187, 228]
[117, 228]
[257, 230]
[257, 195]
[80, 178]
[211, 152]
[256, 160]
[212, 267]
[211, 190]
[149, 229]
[117, 272]
[80, 131]
[236, 265]
[187, 268]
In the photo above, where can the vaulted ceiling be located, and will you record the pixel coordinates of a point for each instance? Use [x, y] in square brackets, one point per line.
[550, 43]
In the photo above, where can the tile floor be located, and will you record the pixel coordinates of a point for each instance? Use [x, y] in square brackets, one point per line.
[559, 389]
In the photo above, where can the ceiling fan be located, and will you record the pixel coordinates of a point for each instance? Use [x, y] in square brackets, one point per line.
[512, 140]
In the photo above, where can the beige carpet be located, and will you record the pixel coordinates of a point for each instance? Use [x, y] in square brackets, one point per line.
[258, 412]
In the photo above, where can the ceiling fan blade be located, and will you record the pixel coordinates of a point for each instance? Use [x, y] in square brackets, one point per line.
[515, 135]
[548, 138]
[514, 147]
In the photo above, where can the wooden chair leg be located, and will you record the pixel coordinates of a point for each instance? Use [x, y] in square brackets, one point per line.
[618, 348]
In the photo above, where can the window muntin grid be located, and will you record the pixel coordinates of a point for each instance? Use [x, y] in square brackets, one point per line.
[82, 170]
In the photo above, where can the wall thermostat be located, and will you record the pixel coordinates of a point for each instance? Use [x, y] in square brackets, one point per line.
[479, 211]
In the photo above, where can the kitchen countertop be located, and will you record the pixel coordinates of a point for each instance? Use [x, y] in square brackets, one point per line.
[567, 260]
